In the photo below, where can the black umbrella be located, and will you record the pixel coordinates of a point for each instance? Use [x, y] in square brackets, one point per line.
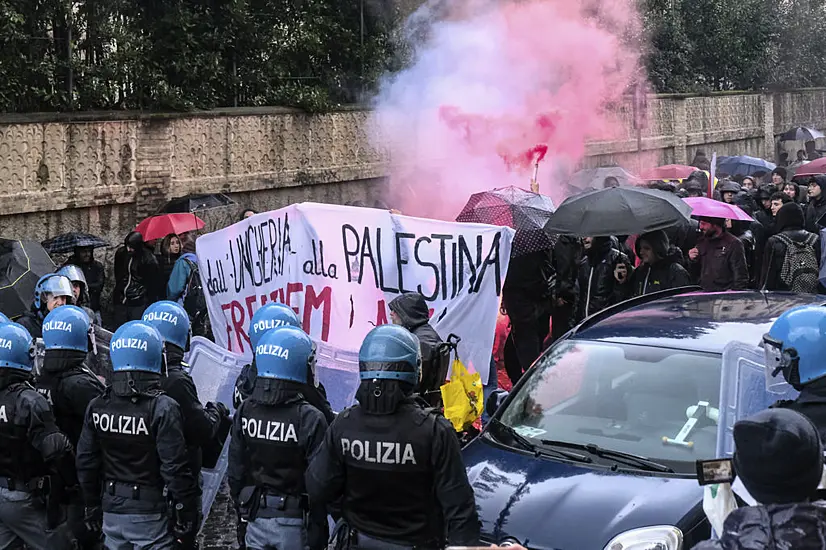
[195, 203]
[524, 211]
[801, 133]
[22, 263]
[67, 242]
[618, 211]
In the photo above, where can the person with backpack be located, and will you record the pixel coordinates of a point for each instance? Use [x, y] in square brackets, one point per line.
[790, 261]
[184, 287]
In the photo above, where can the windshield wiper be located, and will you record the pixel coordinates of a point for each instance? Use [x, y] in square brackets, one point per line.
[628, 458]
[525, 443]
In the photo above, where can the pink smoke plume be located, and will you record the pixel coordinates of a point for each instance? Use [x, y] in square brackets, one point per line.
[498, 85]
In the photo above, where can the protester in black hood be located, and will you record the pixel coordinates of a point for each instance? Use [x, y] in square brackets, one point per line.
[604, 276]
[790, 236]
[526, 296]
[816, 208]
[753, 236]
[728, 190]
[763, 214]
[410, 311]
[661, 266]
[94, 272]
[137, 279]
[779, 458]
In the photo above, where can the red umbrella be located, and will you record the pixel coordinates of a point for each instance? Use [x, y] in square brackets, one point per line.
[814, 168]
[670, 172]
[158, 227]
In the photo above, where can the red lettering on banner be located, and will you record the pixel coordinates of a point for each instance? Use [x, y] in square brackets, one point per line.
[313, 301]
[238, 325]
[293, 288]
[224, 308]
[381, 313]
[430, 312]
[277, 295]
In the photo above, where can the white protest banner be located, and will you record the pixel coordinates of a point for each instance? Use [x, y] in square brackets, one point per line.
[338, 267]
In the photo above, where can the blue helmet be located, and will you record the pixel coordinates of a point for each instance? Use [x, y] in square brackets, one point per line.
[16, 347]
[795, 345]
[137, 346]
[4, 319]
[390, 352]
[54, 284]
[67, 328]
[270, 316]
[284, 354]
[171, 320]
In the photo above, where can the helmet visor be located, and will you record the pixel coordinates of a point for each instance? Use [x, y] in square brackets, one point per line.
[776, 362]
[58, 286]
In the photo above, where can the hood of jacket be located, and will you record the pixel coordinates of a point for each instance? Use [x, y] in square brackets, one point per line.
[801, 526]
[600, 247]
[61, 360]
[790, 216]
[412, 310]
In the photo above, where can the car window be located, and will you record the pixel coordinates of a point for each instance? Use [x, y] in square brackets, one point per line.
[631, 398]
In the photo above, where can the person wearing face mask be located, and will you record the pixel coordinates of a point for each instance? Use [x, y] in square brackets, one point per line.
[661, 266]
[137, 279]
[50, 292]
[132, 461]
[69, 386]
[719, 259]
[604, 276]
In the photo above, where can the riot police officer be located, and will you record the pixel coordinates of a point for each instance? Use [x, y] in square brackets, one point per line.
[51, 291]
[80, 290]
[274, 434]
[266, 318]
[131, 458]
[794, 347]
[396, 464]
[201, 424]
[33, 452]
[69, 386]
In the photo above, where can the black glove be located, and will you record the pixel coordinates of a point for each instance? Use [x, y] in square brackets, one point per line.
[218, 407]
[186, 525]
[93, 519]
[241, 531]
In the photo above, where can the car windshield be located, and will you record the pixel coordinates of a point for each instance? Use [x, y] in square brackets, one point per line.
[623, 397]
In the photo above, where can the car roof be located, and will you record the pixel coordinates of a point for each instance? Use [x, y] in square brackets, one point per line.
[695, 321]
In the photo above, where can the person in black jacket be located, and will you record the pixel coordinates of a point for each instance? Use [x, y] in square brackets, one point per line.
[93, 271]
[275, 434]
[763, 214]
[604, 275]
[202, 425]
[661, 266]
[31, 448]
[816, 208]
[410, 311]
[131, 457]
[69, 386]
[779, 458]
[789, 232]
[566, 256]
[414, 493]
[137, 279]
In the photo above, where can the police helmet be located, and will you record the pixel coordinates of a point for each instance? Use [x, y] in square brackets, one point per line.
[16, 347]
[74, 274]
[67, 328]
[284, 354]
[795, 345]
[390, 352]
[171, 320]
[268, 317]
[4, 319]
[136, 346]
[54, 284]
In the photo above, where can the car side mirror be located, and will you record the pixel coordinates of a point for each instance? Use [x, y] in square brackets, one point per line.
[495, 399]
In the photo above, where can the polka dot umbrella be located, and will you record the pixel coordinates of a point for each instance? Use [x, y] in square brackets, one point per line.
[526, 212]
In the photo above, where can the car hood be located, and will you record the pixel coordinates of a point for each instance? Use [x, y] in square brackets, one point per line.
[551, 505]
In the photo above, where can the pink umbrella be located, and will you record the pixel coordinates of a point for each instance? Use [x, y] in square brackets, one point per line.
[704, 207]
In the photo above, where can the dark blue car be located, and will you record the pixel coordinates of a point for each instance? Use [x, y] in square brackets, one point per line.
[584, 453]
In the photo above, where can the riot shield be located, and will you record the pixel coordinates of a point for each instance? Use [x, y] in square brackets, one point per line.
[338, 371]
[214, 371]
[99, 363]
[743, 391]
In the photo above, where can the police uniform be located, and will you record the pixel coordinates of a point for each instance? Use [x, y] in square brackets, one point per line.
[791, 350]
[274, 435]
[69, 386]
[131, 457]
[48, 285]
[268, 317]
[33, 451]
[397, 465]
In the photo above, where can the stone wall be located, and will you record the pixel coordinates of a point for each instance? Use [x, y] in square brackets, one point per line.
[104, 172]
